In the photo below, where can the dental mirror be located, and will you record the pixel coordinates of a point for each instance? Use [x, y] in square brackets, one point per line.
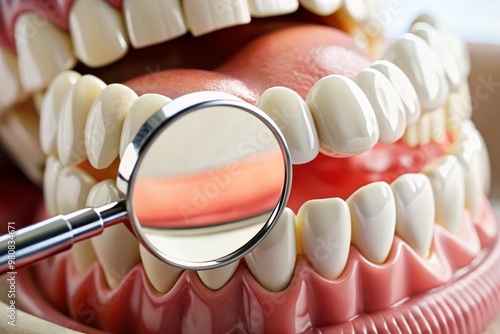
[203, 182]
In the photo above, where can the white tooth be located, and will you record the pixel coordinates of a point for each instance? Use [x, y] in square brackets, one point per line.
[294, 119]
[73, 186]
[386, 103]
[325, 229]
[51, 174]
[438, 125]
[439, 44]
[459, 107]
[19, 134]
[97, 31]
[458, 49]
[411, 135]
[485, 165]
[116, 247]
[72, 118]
[9, 80]
[51, 108]
[421, 66]
[215, 279]
[206, 16]
[38, 99]
[424, 128]
[322, 7]
[142, 108]
[104, 124]
[161, 275]
[153, 22]
[404, 88]
[356, 9]
[344, 117]
[43, 51]
[447, 180]
[272, 262]
[415, 211]
[264, 8]
[373, 215]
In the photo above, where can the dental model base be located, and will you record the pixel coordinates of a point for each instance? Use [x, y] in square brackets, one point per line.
[182, 197]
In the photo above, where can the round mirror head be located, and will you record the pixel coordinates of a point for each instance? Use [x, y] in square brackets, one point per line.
[211, 177]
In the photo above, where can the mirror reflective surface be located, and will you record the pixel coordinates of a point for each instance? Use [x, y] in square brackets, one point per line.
[207, 184]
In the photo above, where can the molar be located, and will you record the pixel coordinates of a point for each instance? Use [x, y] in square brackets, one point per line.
[10, 85]
[43, 51]
[447, 180]
[373, 216]
[415, 211]
[386, 104]
[325, 229]
[153, 22]
[403, 86]
[294, 119]
[104, 124]
[98, 33]
[421, 66]
[322, 7]
[272, 262]
[116, 247]
[206, 16]
[72, 118]
[265, 8]
[342, 133]
[51, 108]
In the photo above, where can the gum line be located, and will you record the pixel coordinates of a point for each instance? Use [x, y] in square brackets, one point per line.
[243, 304]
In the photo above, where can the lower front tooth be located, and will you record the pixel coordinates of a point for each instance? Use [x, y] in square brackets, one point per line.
[116, 247]
[73, 187]
[415, 211]
[373, 215]
[447, 180]
[344, 117]
[51, 174]
[386, 103]
[425, 128]
[325, 229]
[142, 108]
[458, 107]
[322, 7]
[161, 275]
[272, 262]
[215, 279]
[104, 124]
[438, 125]
[294, 119]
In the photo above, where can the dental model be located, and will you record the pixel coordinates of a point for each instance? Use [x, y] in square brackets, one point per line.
[387, 230]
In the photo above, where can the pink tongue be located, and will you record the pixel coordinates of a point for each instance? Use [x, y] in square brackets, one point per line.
[293, 57]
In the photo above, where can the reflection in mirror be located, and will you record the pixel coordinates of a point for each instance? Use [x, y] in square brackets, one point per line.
[211, 179]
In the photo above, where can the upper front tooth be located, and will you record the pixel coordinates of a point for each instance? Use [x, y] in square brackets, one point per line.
[325, 229]
[9, 79]
[206, 16]
[421, 66]
[72, 118]
[97, 31]
[51, 108]
[153, 22]
[415, 211]
[356, 9]
[116, 247]
[294, 119]
[447, 180]
[104, 124]
[322, 7]
[404, 88]
[344, 117]
[272, 262]
[215, 279]
[441, 48]
[263, 8]
[161, 275]
[142, 108]
[386, 103]
[43, 51]
[373, 215]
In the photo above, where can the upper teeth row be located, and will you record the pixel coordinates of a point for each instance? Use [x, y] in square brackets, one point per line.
[97, 34]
